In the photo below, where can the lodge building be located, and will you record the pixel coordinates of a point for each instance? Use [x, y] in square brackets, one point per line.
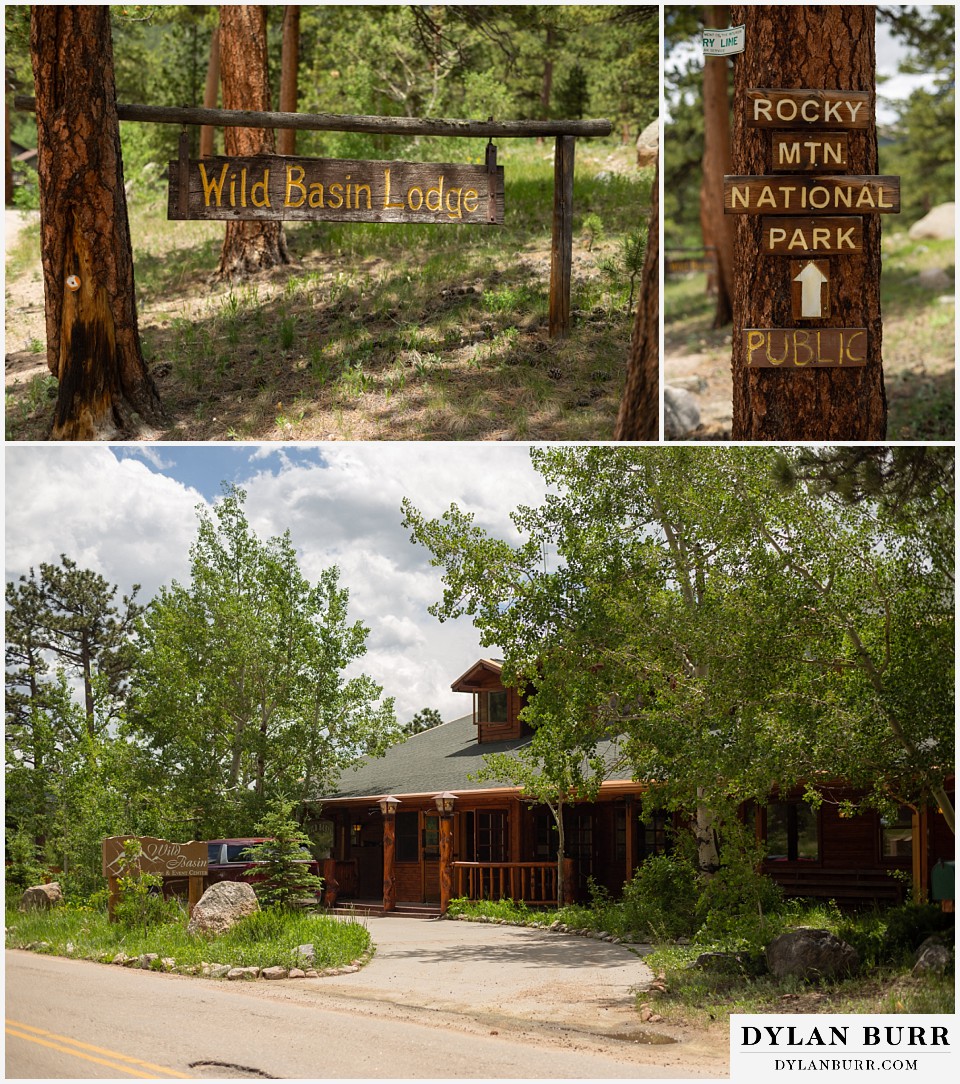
[415, 828]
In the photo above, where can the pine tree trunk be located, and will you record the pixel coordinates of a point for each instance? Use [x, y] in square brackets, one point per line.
[210, 92]
[93, 342]
[638, 418]
[289, 62]
[718, 228]
[809, 47]
[248, 246]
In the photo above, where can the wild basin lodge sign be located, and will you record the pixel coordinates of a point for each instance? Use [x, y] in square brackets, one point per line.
[810, 208]
[279, 187]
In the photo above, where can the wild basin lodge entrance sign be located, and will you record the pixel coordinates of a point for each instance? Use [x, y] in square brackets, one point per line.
[809, 149]
[274, 187]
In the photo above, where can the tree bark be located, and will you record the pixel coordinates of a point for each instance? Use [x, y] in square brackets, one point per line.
[718, 228]
[638, 418]
[93, 342]
[248, 246]
[811, 47]
[289, 62]
[210, 93]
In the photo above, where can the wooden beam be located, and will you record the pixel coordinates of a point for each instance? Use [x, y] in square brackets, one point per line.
[342, 122]
[561, 252]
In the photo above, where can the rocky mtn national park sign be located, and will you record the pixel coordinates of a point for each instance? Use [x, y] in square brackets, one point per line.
[280, 187]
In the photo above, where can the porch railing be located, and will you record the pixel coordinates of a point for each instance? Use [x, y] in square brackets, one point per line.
[532, 882]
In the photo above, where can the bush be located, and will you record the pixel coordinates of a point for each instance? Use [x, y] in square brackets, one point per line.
[739, 908]
[23, 866]
[909, 925]
[660, 899]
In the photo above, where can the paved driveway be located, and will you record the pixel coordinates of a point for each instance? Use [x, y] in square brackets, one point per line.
[500, 974]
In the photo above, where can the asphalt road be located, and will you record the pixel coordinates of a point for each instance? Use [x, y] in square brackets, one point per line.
[77, 1019]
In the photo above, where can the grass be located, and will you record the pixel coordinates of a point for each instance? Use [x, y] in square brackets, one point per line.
[918, 337]
[392, 331]
[265, 939]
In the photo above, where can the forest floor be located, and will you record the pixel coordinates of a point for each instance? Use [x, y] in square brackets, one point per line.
[400, 332]
[918, 344]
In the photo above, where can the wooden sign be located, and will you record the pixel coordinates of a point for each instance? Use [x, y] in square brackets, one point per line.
[809, 152]
[811, 236]
[276, 187]
[805, 348]
[807, 195]
[810, 289]
[840, 109]
[158, 856]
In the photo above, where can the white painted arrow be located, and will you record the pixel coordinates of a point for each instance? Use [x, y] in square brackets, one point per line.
[811, 278]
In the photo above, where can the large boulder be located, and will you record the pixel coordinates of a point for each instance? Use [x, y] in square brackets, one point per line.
[648, 145]
[810, 954]
[932, 956]
[681, 412]
[222, 906]
[937, 225]
[41, 897]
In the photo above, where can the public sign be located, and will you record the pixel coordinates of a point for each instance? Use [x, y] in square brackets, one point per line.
[724, 42]
[840, 109]
[279, 187]
[806, 195]
[810, 152]
[815, 236]
[805, 348]
[157, 856]
[810, 294]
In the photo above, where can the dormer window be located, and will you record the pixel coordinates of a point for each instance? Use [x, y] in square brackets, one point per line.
[496, 706]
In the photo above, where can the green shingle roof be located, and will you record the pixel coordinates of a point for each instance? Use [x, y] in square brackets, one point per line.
[443, 758]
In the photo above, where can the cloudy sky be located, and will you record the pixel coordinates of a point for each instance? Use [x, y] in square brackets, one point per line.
[129, 513]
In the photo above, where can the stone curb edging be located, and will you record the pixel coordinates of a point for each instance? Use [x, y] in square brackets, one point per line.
[153, 961]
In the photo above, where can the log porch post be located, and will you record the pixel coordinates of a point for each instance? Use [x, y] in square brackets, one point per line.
[194, 892]
[388, 807]
[921, 856]
[446, 861]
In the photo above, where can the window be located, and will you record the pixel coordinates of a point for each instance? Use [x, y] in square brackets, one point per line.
[544, 834]
[896, 834]
[431, 836]
[792, 834]
[408, 831]
[485, 836]
[497, 706]
[653, 834]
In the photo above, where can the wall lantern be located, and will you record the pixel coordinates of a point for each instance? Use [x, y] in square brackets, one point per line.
[445, 802]
[388, 805]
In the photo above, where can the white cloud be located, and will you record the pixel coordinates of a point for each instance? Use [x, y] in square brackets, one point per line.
[134, 525]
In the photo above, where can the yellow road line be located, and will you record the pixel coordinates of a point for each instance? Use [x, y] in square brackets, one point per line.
[42, 1037]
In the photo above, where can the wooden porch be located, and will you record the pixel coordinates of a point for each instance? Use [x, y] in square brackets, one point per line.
[534, 883]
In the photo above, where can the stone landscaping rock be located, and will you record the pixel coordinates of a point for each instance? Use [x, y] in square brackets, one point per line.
[939, 224]
[932, 957]
[147, 959]
[296, 973]
[811, 954]
[933, 278]
[311, 974]
[221, 907]
[681, 413]
[247, 973]
[41, 897]
[719, 963]
[168, 963]
[120, 959]
[214, 971]
[274, 973]
[648, 145]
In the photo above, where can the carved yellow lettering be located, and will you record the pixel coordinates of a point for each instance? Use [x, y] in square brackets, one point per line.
[293, 182]
[819, 197]
[809, 109]
[832, 151]
[386, 191]
[739, 195]
[454, 211]
[789, 154]
[845, 238]
[776, 236]
[865, 199]
[264, 187]
[786, 109]
[243, 187]
[315, 198]
[849, 346]
[438, 189]
[233, 190]
[854, 109]
[470, 197]
[212, 185]
[766, 197]
[842, 195]
[801, 343]
[755, 340]
[419, 194]
[880, 202]
[335, 192]
[786, 350]
[348, 191]
[797, 240]
[821, 235]
[357, 190]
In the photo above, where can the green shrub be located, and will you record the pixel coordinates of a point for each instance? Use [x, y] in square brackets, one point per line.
[739, 909]
[908, 925]
[23, 864]
[660, 899]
